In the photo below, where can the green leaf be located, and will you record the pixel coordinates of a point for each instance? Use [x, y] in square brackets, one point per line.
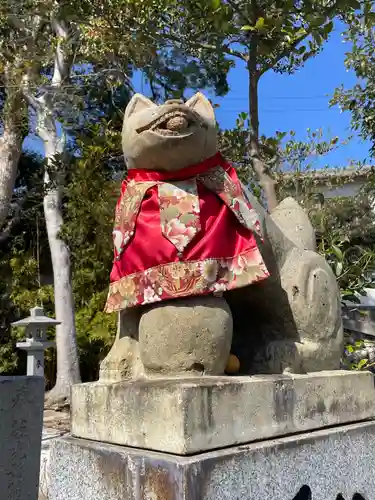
[260, 24]
[247, 27]
[328, 28]
[339, 267]
[338, 253]
[316, 20]
[362, 363]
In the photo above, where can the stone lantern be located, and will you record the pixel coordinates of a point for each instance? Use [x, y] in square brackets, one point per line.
[36, 339]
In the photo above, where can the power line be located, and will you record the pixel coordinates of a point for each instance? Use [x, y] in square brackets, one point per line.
[292, 98]
[288, 110]
[227, 98]
[127, 81]
[72, 86]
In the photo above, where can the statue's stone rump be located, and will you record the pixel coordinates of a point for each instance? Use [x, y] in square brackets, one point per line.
[191, 335]
[293, 224]
[296, 313]
[314, 300]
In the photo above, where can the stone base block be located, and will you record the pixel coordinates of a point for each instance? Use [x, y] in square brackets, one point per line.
[21, 423]
[186, 416]
[322, 463]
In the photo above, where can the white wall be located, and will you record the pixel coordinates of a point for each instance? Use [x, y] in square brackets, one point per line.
[347, 190]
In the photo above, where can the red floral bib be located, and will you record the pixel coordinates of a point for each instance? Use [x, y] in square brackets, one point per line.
[189, 232]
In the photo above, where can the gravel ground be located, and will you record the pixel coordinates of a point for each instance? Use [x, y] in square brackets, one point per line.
[59, 420]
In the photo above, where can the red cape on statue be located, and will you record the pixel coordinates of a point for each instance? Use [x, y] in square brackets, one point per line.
[183, 233]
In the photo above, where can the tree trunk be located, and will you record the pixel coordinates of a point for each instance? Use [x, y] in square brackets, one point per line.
[265, 180]
[10, 145]
[10, 152]
[66, 343]
[66, 340]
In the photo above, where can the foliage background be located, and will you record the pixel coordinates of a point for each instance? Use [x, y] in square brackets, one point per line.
[344, 226]
[177, 48]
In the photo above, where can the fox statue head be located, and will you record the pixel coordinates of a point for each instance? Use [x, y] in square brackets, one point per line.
[168, 137]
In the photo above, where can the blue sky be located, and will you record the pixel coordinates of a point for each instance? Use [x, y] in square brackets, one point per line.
[294, 102]
[300, 101]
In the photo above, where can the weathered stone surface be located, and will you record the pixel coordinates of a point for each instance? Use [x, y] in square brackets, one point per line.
[157, 151]
[56, 424]
[295, 224]
[292, 321]
[325, 462]
[185, 416]
[186, 336]
[315, 304]
[21, 423]
[49, 435]
[123, 361]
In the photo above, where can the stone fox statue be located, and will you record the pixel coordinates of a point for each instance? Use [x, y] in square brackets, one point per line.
[200, 270]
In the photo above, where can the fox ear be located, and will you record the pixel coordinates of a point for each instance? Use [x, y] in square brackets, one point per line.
[137, 103]
[200, 104]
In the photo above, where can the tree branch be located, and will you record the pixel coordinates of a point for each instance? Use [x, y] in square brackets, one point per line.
[43, 105]
[285, 52]
[265, 179]
[206, 46]
[235, 53]
[63, 53]
[28, 95]
[35, 67]
[330, 12]
[17, 23]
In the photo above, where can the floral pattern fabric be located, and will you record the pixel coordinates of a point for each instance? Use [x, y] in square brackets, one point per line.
[179, 212]
[217, 180]
[142, 277]
[181, 279]
[179, 208]
[127, 212]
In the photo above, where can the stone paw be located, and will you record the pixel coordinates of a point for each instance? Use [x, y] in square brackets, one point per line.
[122, 362]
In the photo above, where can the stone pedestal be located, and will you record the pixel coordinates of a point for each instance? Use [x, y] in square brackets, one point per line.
[215, 439]
[323, 463]
[21, 423]
[187, 416]
[35, 355]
